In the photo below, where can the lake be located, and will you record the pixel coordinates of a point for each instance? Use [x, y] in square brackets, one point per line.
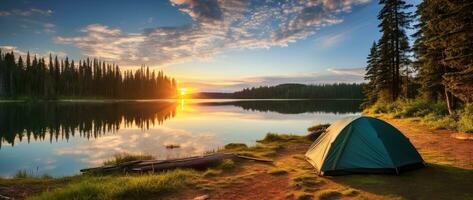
[60, 138]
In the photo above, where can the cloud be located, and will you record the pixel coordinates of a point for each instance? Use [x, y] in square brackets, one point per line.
[153, 142]
[217, 25]
[354, 75]
[22, 53]
[107, 43]
[355, 71]
[33, 18]
[4, 13]
[27, 13]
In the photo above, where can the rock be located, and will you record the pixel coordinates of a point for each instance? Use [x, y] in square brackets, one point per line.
[203, 197]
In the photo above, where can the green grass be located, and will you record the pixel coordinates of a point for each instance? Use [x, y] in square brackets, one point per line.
[265, 148]
[123, 187]
[126, 157]
[282, 138]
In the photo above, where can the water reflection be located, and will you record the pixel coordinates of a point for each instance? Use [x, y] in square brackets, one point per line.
[61, 138]
[39, 121]
[295, 106]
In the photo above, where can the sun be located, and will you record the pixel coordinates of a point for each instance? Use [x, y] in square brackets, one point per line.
[183, 91]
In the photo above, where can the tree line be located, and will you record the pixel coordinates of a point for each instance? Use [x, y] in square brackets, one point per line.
[439, 64]
[301, 91]
[38, 78]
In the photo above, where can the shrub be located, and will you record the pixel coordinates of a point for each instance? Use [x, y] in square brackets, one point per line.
[465, 122]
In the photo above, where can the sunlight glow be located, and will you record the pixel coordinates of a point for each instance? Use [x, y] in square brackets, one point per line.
[183, 91]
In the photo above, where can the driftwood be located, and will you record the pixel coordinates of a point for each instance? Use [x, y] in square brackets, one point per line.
[312, 136]
[159, 165]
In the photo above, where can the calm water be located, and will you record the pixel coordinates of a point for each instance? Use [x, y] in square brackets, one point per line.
[61, 138]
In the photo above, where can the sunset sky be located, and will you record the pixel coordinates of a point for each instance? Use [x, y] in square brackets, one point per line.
[207, 45]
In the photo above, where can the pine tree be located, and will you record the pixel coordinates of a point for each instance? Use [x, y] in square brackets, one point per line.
[371, 88]
[394, 46]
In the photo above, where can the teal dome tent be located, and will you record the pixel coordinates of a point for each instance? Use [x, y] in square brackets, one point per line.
[362, 145]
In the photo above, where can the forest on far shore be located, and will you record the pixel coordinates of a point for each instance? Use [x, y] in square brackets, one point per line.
[40, 79]
[293, 91]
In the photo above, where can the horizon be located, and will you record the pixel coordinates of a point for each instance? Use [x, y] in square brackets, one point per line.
[211, 46]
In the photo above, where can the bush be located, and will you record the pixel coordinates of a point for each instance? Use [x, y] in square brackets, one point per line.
[465, 122]
[434, 114]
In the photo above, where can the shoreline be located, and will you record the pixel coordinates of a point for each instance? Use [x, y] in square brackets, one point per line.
[450, 167]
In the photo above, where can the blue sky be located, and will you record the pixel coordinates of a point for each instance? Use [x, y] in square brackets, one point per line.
[208, 45]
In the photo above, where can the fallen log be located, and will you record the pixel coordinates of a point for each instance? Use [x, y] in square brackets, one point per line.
[195, 162]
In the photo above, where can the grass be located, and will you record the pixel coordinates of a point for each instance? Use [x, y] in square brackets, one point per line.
[123, 187]
[127, 157]
[433, 114]
[281, 138]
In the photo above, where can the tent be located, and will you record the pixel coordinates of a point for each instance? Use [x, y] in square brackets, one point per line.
[362, 145]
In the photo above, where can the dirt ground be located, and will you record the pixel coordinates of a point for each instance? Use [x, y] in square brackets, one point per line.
[449, 175]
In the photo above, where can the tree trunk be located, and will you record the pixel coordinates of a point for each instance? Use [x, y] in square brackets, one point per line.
[449, 101]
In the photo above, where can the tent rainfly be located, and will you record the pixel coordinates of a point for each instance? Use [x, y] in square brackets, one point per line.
[362, 145]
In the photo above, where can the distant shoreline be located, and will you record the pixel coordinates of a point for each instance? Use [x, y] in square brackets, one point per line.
[93, 100]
